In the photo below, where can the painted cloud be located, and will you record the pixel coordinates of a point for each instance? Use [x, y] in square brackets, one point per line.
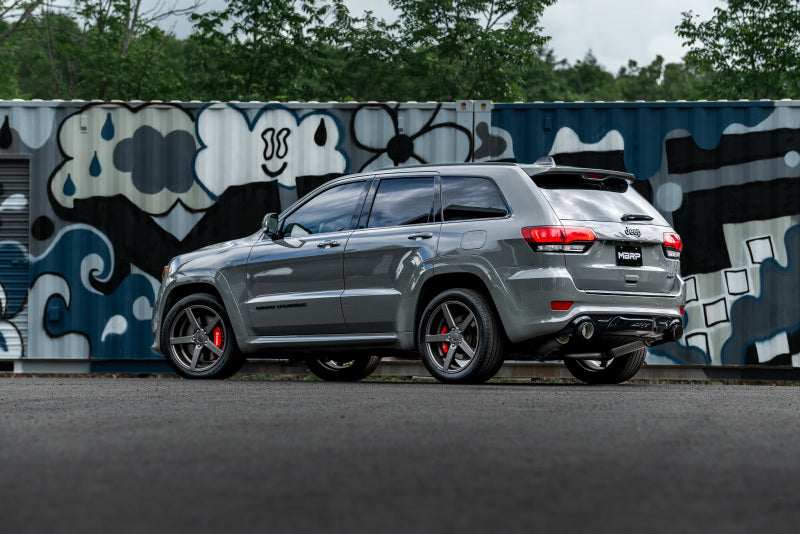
[275, 144]
[144, 154]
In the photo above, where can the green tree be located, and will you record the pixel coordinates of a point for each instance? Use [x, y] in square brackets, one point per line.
[751, 49]
[360, 60]
[452, 49]
[259, 50]
[543, 78]
[13, 15]
[100, 49]
[124, 52]
[588, 80]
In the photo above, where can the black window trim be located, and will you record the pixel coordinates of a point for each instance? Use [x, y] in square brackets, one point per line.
[491, 180]
[330, 185]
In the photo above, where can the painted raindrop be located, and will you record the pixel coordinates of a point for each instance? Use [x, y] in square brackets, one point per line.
[107, 132]
[94, 167]
[321, 135]
[5, 134]
[69, 186]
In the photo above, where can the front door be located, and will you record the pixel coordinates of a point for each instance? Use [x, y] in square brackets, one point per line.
[295, 282]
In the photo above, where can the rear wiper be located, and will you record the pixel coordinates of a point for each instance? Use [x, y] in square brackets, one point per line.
[636, 217]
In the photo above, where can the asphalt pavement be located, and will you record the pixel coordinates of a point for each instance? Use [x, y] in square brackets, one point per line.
[169, 455]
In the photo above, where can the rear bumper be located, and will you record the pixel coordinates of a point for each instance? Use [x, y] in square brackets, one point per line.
[591, 336]
[653, 329]
[526, 311]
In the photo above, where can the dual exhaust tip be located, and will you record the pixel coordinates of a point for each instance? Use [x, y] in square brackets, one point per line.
[585, 329]
[674, 331]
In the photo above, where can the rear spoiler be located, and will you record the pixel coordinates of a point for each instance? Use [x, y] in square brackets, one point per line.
[547, 165]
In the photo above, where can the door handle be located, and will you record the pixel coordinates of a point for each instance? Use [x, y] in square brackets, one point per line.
[417, 237]
[328, 244]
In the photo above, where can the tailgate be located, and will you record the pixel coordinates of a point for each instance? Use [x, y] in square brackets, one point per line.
[625, 257]
[628, 254]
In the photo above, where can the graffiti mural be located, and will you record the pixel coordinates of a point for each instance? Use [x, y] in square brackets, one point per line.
[13, 294]
[726, 177]
[274, 144]
[117, 189]
[395, 136]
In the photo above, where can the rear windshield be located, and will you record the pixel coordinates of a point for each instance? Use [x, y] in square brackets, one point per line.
[586, 199]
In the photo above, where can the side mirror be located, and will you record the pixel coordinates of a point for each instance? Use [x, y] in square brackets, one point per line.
[270, 224]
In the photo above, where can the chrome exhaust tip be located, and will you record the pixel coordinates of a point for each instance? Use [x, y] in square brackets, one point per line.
[674, 331]
[585, 329]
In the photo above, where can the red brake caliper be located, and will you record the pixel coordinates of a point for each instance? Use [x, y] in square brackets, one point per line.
[445, 346]
[216, 336]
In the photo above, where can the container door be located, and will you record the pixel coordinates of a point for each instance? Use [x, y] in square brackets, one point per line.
[14, 224]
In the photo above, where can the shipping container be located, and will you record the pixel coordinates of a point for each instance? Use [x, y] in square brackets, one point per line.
[95, 197]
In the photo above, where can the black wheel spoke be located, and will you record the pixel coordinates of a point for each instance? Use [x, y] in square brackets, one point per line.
[466, 322]
[469, 351]
[213, 348]
[212, 323]
[451, 354]
[195, 357]
[451, 323]
[192, 319]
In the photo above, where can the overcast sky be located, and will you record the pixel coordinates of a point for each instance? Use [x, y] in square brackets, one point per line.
[615, 30]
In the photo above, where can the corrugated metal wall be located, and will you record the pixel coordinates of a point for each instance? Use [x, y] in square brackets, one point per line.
[13, 258]
[116, 189]
[725, 174]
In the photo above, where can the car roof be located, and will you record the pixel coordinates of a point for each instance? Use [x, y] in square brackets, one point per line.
[542, 165]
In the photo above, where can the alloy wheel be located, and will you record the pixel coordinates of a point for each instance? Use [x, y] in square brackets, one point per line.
[452, 336]
[197, 338]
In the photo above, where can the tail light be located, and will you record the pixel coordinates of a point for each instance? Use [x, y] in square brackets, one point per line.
[558, 238]
[672, 245]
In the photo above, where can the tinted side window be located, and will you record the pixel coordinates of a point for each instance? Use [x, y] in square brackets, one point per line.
[401, 201]
[471, 198]
[333, 210]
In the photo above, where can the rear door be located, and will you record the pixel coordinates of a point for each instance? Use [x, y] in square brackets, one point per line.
[628, 255]
[385, 257]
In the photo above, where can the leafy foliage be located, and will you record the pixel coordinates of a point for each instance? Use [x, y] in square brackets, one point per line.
[454, 49]
[751, 49]
[318, 50]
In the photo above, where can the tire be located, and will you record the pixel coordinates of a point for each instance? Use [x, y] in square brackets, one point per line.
[455, 323]
[615, 371]
[335, 368]
[189, 336]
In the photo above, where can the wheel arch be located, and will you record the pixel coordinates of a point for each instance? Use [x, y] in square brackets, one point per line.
[180, 291]
[456, 280]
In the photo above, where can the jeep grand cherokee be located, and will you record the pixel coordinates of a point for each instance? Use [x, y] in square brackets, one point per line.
[459, 264]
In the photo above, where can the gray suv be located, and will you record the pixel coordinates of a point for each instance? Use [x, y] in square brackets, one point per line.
[462, 265]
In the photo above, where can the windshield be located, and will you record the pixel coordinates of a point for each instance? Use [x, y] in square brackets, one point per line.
[577, 198]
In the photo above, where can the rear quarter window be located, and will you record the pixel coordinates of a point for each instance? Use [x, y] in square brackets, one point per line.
[465, 198]
[577, 198]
